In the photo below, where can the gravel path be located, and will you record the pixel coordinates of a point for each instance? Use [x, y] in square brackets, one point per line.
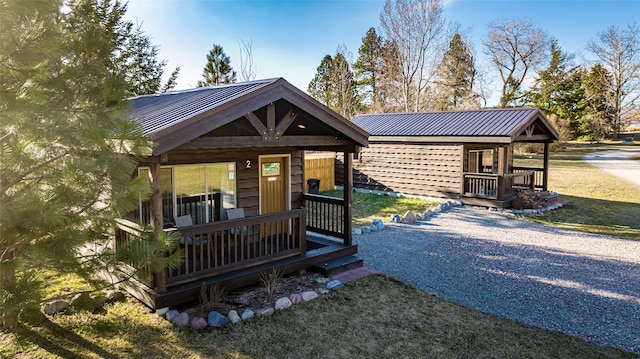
[619, 163]
[581, 284]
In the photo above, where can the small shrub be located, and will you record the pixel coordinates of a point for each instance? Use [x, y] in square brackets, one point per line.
[527, 199]
[211, 296]
[271, 279]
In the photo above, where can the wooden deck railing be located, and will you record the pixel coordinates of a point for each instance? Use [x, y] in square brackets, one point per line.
[496, 187]
[325, 214]
[215, 248]
[538, 182]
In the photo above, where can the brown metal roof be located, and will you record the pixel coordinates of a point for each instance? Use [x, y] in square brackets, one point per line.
[160, 111]
[174, 118]
[509, 122]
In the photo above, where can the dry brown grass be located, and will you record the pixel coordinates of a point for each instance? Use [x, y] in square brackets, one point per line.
[374, 317]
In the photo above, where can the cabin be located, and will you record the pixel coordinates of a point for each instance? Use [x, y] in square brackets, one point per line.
[463, 155]
[227, 172]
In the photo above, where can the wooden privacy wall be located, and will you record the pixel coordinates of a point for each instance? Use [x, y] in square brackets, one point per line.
[320, 166]
[417, 169]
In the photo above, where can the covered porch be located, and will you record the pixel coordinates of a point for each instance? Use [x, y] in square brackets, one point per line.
[227, 179]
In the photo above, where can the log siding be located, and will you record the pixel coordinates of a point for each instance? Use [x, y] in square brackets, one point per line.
[416, 169]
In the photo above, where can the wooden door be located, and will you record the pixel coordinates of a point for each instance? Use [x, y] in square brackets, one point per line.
[273, 184]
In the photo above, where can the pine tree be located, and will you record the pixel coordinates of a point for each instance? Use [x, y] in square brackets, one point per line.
[558, 90]
[456, 76]
[599, 101]
[345, 100]
[218, 69]
[67, 149]
[320, 86]
[368, 70]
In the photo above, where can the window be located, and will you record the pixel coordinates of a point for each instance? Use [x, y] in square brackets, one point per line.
[202, 191]
[481, 161]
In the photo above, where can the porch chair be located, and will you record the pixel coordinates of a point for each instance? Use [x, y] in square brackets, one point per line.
[186, 221]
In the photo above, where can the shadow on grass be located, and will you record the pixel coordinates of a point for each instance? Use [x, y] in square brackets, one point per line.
[64, 343]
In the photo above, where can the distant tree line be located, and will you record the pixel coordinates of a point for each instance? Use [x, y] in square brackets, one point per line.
[419, 61]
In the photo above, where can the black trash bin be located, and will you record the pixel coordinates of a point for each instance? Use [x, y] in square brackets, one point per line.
[314, 185]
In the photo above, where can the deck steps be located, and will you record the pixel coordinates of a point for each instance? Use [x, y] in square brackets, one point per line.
[338, 265]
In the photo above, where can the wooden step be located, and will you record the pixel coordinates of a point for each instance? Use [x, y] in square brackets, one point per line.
[338, 265]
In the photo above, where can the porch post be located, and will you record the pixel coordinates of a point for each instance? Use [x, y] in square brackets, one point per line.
[545, 175]
[348, 196]
[156, 220]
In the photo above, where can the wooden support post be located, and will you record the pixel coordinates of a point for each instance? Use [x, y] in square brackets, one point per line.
[157, 220]
[348, 196]
[545, 175]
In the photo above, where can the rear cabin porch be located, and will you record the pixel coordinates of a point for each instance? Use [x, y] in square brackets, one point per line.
[228, 179]
[463, 155]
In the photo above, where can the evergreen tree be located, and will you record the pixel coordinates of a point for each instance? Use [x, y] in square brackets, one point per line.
[456, 76]
[320, 86]
[599, 101]
[345, 100]
[368, 70]
[218, 69]
[558, 90]
[67, 149]
[143, 70]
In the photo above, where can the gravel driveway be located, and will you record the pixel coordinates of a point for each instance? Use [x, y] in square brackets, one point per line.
[581, 284]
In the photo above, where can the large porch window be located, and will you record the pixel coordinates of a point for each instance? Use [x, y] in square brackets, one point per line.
[481, 161]
[203, 191]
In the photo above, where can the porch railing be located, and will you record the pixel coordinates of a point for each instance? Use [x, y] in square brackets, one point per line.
[215, 248]
[538, 182]
[496, 187]
[325, 214]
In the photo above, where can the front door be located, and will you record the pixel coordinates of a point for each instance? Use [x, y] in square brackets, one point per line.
[274, 174]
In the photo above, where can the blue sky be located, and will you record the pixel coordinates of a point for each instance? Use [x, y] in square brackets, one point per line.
[290, 38]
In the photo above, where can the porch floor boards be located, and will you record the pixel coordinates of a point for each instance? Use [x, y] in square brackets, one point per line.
[319, 250]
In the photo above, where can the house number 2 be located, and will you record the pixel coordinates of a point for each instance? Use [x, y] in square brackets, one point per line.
[248, 163]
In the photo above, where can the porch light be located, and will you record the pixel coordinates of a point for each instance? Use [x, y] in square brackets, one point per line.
[301, 126]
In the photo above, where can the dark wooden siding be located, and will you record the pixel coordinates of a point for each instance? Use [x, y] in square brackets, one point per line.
[247, 179]
[417, 169]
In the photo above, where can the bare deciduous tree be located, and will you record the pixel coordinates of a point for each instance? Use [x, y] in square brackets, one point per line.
[619, 51]
[418, 29]
[515, 47]
[248, 71]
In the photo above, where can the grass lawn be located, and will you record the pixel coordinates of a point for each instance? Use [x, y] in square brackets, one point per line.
[598, 202]
[374, 317]
[366, 207]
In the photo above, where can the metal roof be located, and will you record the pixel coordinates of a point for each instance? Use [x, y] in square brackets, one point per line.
[160, 111]
[172, 119]
[489, 122]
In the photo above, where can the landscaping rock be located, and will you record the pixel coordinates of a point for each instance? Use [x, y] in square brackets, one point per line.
[115, 296]
[322, 290]
[373, 228]
[162, 311]
[335, 285]
[56, 307]
[309, 295]
[516, 211]
[264, 312]
[233, 317]
[378, 223]
[409, 218]
[216, 319]
[283, 303]
[418, 218]
[83, 301]
[181, 320]
[395, 218]
[436, 209]
[170, 315]
[366, 230]
[295, 298]
[322, 280]
[198, 322]
[247, 314]
[357, 231]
